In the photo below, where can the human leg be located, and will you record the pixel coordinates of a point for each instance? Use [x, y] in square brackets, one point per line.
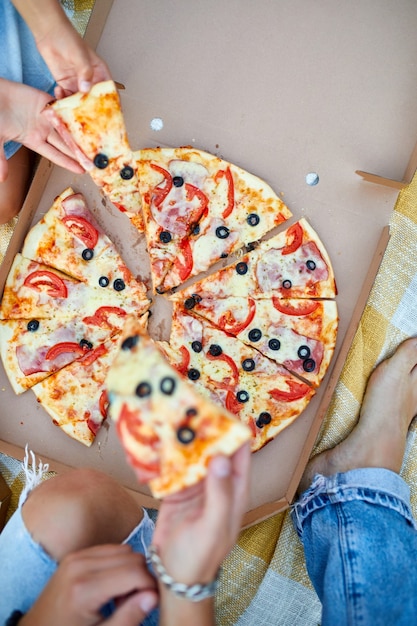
[14, 189]
[355, 520]
[64, 514]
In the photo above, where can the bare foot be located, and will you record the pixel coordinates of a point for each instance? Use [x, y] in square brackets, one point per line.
[379, 437]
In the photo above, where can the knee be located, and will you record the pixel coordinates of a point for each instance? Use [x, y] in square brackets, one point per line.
[78, 509]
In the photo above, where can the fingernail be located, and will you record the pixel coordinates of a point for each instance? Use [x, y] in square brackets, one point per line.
[221, 466]
[147, 602]
[84, 86]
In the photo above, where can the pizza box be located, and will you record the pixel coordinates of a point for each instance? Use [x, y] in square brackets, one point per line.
[238, 83]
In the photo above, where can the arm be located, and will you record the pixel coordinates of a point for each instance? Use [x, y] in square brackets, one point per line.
[73, 64]
[88, 579]
[195, 531]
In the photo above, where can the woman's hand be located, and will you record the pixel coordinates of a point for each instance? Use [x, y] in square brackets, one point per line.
[198, 527]
[21, 120]
[86, 580]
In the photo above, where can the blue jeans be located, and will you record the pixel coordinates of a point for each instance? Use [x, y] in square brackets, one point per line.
[360, 545]
[20, 60]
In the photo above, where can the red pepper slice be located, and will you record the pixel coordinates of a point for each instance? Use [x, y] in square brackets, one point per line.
[64, 347]
[81, 228]
[301, 308]
[100, 317]
[55, 286]
[182, 368]
[296, 392]
[227, 359]
[232, 403]
[192, 191]
[228, 323]
[103, 403]
[160, 193]
[185, 266]
[131, 419]
[230, 189]
[295, 235]
[91, 355]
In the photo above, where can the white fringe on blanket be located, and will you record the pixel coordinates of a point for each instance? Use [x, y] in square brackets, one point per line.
[33, 475]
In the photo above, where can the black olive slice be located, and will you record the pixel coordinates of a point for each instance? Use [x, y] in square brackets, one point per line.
[197, 346]
[103, 281]
[165, 236]
[255, 334]
[196, 229]
[287, 284]
[130, 342]
[119, 284]
[222, 232]
[168, 385]
[178, 181]
[224, 255]
[215, 349]
[190, 303]
[143, 390]
[33, 326]
[87, 254]
[242, 268]
[311, 265]
[127, 172]
[303, 352]
[193, 374]
[274, 344]
[248, 365]
[84, 343]
[242, 396]
[101, 161]
[191, 412]
[253, 219]
[309, 365]
[185, 434]
[263, 419]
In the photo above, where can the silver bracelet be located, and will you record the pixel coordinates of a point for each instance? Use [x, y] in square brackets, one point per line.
[195, 593]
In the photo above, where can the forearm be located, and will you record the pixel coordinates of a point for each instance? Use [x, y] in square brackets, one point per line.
[176, 611]
[42, 16]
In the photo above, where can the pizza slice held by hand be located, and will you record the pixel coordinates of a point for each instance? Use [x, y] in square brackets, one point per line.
[168, 430]
[93, 126]
[198, 209]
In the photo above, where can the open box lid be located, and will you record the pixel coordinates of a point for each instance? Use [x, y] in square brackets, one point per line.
[281, 90]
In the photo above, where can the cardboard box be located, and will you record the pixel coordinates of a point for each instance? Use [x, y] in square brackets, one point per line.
[5, 495]
[231, 80]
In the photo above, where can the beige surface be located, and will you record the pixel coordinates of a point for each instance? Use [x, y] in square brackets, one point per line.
[281, 89]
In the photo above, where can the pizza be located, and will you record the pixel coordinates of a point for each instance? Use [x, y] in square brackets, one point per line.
[62, 311]
[76, 396]
[168, 430]
[262, 394]
[92, 125]
[198, 209]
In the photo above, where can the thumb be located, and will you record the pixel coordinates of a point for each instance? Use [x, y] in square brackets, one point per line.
[4, 168]
[134, 609]
[219, 486]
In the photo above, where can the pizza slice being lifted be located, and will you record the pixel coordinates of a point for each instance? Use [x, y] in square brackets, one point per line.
[198, 209]
[93, 126]
[168, 430]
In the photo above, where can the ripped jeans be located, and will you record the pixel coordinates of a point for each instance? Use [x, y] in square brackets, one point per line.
[360, 544]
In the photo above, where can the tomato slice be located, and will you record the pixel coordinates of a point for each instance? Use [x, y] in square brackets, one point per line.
[227, 174]
[228, 323]
[182, 368]
[184, 266]
[295, 237]
[103, 403]
[82, 229]
[300, 308]
[100, 317]
[53, 284]
[232, 403]
[227, 359]
[160, 193]
[64, 347]
[296, 392]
